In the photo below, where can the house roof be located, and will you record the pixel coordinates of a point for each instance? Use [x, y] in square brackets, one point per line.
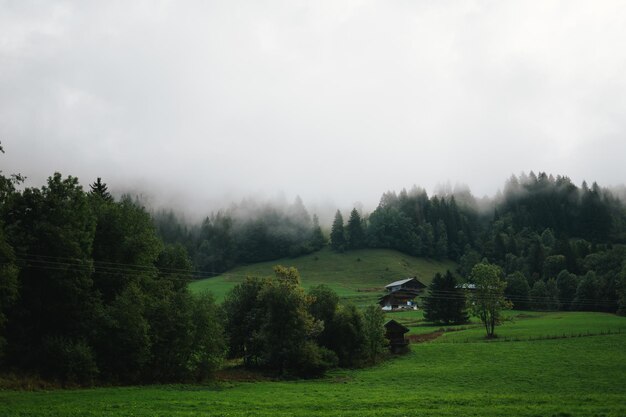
[402, 282]
[394, 325]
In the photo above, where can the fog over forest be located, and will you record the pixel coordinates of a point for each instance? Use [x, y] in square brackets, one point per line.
[196, 106]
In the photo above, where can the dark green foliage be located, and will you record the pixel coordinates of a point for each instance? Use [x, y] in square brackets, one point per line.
[553, 294]
[69, 360]
[567, 285]
[99, 297]
[277, 331]
[445, 302]
[374, 333]
[539, 296]
[243, 319]
[518, 291]
[174, 266]
[208, 346]
[100, 190]
[468, 260]
[348, 340]
[274, 325]
[390, 228]
[414, 224]
[324, 305]
[441, 240]
[317, 237]
[122, 338]
[337, 234]
[124, 248]
[243, 234]
[587, 293]
[216, 250]
[9, 288]
[621, 291]
[341, 326]
[286, 324]
[52, 229]
[553, 265]
[355, 233]
[487, 300]
[171, 332]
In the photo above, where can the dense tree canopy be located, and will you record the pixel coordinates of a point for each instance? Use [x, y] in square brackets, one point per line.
[445, 302]
[89, 292]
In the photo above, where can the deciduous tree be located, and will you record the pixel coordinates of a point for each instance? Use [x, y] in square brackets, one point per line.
[488, 301]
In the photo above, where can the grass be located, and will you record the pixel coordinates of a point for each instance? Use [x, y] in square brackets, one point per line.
[358, 276]
[577, 377]
[518, 325]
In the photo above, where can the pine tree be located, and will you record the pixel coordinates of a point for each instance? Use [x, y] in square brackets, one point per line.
[100, 189]
[355, 236]
[445, 302]
[337, 234]
[317, 237]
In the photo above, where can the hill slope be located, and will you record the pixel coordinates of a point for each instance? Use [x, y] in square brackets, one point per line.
[358, 276]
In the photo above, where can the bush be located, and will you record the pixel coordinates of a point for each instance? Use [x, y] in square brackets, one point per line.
[314, 360]
[71, 361]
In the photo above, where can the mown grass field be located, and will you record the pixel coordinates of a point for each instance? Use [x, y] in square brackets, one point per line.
[573, 376]
[358, 276]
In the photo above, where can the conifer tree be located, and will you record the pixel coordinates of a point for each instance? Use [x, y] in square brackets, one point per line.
[100, 189]
[317, 237]
[355, 235]
[445, 302]
[337, 234]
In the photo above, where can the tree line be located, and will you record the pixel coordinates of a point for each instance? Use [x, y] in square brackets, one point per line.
[90, 293]
[245, 233]
[559, 246]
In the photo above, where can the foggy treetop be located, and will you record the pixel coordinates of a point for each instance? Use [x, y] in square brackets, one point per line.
[201, 103]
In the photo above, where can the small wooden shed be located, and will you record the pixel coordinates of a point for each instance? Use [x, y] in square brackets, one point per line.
[394, 332]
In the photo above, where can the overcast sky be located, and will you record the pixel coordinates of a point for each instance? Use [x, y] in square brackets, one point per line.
[206, 102]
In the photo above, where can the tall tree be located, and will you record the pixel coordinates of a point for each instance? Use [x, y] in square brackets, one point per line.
[100, 189]
[355, 234]
[53, 228]
[337, 234]
[374, 333]
[517, 290]
[488, 299]
[317, 237]
[445, 302]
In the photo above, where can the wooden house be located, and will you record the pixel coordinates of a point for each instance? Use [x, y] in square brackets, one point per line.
[394, 332]
[398, 300]
[401, 294]
[405, 284]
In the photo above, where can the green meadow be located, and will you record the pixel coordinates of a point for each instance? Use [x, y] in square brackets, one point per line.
[519, 374]
[358, 276]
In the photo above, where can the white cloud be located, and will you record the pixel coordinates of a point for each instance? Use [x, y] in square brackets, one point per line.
[331, 100]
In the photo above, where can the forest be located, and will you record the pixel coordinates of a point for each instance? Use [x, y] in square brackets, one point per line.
[560, 246]
[93, 289]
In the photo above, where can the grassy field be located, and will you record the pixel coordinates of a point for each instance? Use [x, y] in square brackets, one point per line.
[574, 376]
[519, 326]
[358, 276]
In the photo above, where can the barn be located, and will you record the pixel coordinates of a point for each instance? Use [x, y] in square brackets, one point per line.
[401, 295]
[394, 332]
[405, 284]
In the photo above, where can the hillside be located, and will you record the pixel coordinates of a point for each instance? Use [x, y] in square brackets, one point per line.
[358, 276]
